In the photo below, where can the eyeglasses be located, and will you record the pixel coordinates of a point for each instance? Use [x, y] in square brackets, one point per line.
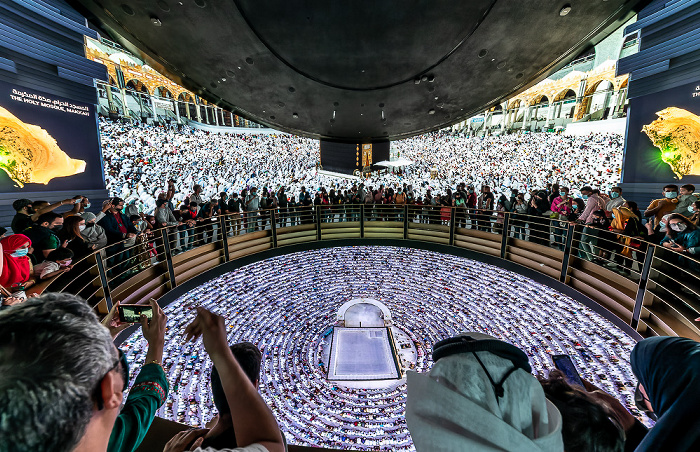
[639, 399]
[125, 378]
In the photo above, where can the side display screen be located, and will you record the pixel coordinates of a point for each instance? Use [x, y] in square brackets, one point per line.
[47, 143]
[663, 137]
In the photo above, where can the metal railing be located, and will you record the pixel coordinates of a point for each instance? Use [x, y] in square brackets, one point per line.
[652, 288]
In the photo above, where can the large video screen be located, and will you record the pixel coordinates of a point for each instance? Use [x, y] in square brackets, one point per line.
[47, 143]
[663, 137]
[345, 158]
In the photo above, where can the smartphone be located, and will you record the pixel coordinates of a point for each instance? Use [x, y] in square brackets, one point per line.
[131, 313]
[566, 365]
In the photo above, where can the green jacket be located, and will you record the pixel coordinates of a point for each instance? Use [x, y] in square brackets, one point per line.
[145, 397]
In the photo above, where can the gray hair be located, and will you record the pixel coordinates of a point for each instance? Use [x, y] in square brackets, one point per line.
[53, 355]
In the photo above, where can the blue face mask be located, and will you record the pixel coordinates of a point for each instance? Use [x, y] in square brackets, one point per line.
[87, 206]
[614, 195]
[585, 197]
[21, 252]
[671, 194]
[562, 193]
[575, 206]
[613, 215]
[691, 209]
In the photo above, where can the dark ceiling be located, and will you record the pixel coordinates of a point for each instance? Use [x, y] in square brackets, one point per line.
[357, 70]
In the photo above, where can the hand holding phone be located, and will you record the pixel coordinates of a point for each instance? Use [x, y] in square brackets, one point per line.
[131, 313]
[566, 365]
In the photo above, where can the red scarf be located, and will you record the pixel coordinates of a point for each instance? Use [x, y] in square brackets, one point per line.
[15, 269]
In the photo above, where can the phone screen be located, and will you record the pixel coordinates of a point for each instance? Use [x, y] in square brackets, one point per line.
[564, 363]
[132, 313]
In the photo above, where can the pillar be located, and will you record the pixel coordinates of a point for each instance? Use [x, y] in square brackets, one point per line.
[126, 106]
[199, 112]
[177, 111]
[233, 124]
[153, 106]
[110, 102]
[216, 115]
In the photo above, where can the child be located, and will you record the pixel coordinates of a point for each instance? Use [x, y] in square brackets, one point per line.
[57, 262]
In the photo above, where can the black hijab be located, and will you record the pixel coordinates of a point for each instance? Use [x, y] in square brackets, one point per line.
[669, 370]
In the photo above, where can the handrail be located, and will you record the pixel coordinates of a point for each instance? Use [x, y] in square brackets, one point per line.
[650, 287]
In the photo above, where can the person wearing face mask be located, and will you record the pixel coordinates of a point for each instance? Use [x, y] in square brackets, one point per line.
[616, 199]
[252, 205]
[660, 207]
[577, 207]
[693, 213]
[44, 235]
[686, 198]
[71, 236]
[28, 213]
[16, 272]
[561, 209]
[57, 263]
[668, 370]
[93, 233]
[683, 237]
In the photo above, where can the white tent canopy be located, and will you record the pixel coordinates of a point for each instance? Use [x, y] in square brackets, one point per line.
[395, 163]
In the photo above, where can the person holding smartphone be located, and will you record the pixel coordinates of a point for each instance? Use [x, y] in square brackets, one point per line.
[150, 389]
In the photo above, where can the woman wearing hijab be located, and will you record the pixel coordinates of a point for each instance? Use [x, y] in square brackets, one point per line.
[668, 370]
[625, 222]
[16, 266]
[683, 237]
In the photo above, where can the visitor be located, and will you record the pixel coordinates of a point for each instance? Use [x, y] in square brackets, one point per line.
[686, 198]
[668, 370]
[480, 395]
[16, 272]
[255, 426]
[57, 262]
[616, 199]
[663, 206]
[43, 235]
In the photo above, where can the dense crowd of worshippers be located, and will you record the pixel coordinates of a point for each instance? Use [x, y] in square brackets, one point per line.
[276, 304]
[139, 160]
[63, 390]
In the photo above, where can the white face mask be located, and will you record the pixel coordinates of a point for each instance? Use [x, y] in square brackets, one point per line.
[678, 227]
[81, 227]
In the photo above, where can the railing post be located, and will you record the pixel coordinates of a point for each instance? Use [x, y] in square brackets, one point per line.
[642, 287]
[273, 228]
[405, 221]
[567, 252]
[318, 223]
[224, 236]
[103, 278]
[168, 258]
[453, 226]
[504, 234]
[362, 221]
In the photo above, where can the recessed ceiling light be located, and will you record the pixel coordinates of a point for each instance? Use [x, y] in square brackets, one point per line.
[431, 111]
[565, 10]
[155, 21]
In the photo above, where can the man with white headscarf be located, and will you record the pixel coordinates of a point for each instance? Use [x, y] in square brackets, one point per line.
[480, 396]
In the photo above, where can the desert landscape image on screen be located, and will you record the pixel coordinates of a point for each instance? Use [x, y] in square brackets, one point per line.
[29, 154]
[676, 133]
